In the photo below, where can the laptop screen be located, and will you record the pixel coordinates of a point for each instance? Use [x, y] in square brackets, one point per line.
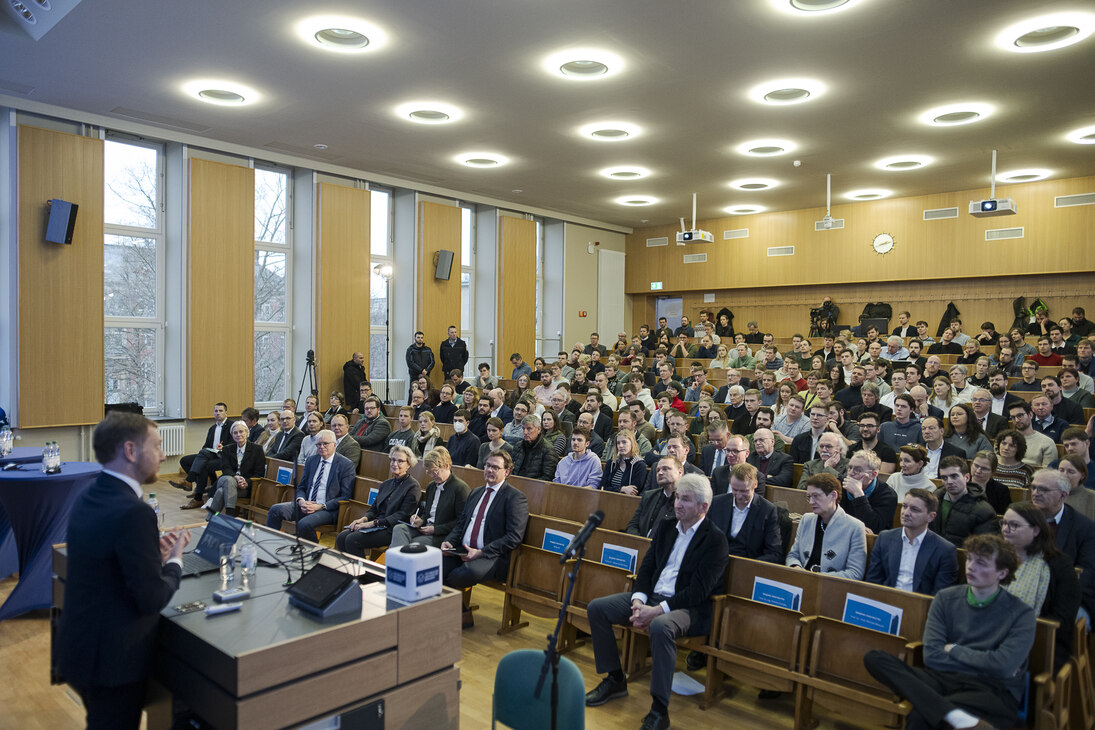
[220, 530]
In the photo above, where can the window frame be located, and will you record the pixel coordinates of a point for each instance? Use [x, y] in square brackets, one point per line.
[389, 260]
[285, 248]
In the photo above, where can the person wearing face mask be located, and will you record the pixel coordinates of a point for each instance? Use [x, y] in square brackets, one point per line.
[463, 445]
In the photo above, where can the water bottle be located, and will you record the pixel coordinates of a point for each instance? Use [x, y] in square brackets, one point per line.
[249, 529]
[155, 505]
[45, 458]
[57, 456]
[5, 441]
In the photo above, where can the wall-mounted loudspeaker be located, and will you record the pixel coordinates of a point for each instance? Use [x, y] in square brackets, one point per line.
[62, 221]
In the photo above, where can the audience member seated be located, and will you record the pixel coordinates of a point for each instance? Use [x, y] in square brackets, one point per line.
[338, 405]
[828, 540]
[1070, 387]
[963, 431]
[494, 442]
[1040, 448]
[445, 408]
[1045, 422]
[552, 433]
[737, 452]
[869, 427]
[680, 572]
[912, 557]
[982, 485]
[871, 404]
[774, 467]
[904, 428]
[372, 429]
[1045, 580]
[658, 504]
[427, 437]
[976, 643]
[533, 457]
[713, 454]
[395, 502]
[581, 467]
[462, 446]
[344, 442]
[625, 471]
[831, 460]
[912, 460]
[512, 432]
[1065, 409]
[490, 527]
[287, 442]
[241, 462]
[1077, 443]
[273, 427]
[404, 433]
[867, 497]
[1010, 470]
[804, 446]
[947, 346]
[194, 464]
[312, 425]
[961, 513]
[1080, 498]
[327, 478]
[791, 422]
[1045, 357]
[1074, 534]
[750, 522]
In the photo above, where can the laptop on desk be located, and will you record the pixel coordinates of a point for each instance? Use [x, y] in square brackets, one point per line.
[220, 530]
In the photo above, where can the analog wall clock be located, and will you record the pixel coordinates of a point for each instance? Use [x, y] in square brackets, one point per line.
[882, 243]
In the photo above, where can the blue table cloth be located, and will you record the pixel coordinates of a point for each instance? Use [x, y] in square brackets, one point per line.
[23, 455]
[9, 558]
[37, 507]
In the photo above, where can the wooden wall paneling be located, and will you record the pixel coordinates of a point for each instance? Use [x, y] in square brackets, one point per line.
[342, 284]
[516, 314]
[1056, 239]
[438, 300]
[60, 287]
[221, 295]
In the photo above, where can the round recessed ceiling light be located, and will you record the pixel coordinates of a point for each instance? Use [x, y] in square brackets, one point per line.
[341, 34]
[903, 162]
[636, 200]
[625, 172]
[787, 91]
[753, 183]
[220, 92]
[1022, 176]
[429, 112]
[481, 159]
[951, 115]
[1047, 32]
[320, 146]
[744, 209]
[812, 7]
[583, 64]
[868, 194]
[609, 131]
[1083, 135]
[766, 147]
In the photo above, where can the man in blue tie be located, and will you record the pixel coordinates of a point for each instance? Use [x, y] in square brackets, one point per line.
[328, 477]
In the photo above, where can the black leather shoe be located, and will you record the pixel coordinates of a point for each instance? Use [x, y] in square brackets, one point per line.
[695, 661]
[608, 689]
[655, 721]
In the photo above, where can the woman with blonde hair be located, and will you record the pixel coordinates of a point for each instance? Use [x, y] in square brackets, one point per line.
[721, 359]
[627, 472]
[427, 436]
[942, 393]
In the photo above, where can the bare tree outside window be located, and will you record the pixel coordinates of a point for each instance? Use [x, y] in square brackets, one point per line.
[271, 285]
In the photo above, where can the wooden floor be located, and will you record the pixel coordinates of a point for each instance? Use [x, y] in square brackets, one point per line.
[29, 702]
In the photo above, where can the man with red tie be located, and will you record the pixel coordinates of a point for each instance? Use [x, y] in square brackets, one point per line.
[491, 526]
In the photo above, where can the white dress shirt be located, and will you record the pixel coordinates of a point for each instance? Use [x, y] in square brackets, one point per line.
[667, 581]
[737, 519]
[321, 493]
[909, 551]
[476, 541]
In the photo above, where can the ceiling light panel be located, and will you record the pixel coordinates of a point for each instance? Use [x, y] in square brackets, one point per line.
[636, 200]
[610, 131]
[868, 194]
[744, 209]
[952, 115]
[900, 163]
[766, 147]
[1047, 32]
[782, 92]
[1031, 174]
[1083, 135]
[220, 92]
[751, 184]
[813, 8]
[583, 64]
[429, 112]
[481, 159]
[625, 172]
[342, 34]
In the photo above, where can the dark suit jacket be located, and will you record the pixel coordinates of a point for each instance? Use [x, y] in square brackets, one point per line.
[995, 425]
[936, 564]
[287, 445]
[707, 459]
[647, 512]
[700, 575]
[340, 482]
[800, 449]
[226, 435]
[1069, 411]
[115, 590]
[875, 511]
[505, 413]
[453, 498]
[759, 537]
[395, 501]
[602, 426]
[253, 465]
[505, 523]
[1076, 538]
[781, 469]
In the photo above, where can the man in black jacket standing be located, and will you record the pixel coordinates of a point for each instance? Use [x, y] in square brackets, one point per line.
[680, 572]
[419, 358]
[121, 574]
[353, 375]
[454, 352]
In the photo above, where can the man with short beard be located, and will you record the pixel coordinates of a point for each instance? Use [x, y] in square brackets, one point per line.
[1040, 448]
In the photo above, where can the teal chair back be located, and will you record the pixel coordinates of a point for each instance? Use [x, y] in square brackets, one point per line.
[515, 684]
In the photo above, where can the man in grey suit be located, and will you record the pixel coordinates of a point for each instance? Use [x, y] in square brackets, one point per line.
[328, 478]
[437, 514]
[345, 444]
[912, 557]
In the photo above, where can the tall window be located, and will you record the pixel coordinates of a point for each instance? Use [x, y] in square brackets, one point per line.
[133, 271]
[540, 289]
[380, 244]
[272, 285]
[467, 273]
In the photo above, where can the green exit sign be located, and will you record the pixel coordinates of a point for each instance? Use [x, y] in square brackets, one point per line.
[655, 286]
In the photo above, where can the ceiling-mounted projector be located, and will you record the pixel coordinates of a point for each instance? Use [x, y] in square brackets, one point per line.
[695, 236]
[993, 206]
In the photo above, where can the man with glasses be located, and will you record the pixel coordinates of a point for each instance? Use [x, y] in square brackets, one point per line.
[868, 441]
[831, 460]
[866, 496]
[1045, 422]
[491, 526]
[912, 557]
[1073, 534]
[737, 452]
[395, 502]
[774, 467]
[328, 478]
[991, 424]
[371, 432]
[287, 442]
[345, 444]
[961, 514]
[1029, 382]
[828, 540]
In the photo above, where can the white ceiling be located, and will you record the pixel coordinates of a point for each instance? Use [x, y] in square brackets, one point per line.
[688, 65]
